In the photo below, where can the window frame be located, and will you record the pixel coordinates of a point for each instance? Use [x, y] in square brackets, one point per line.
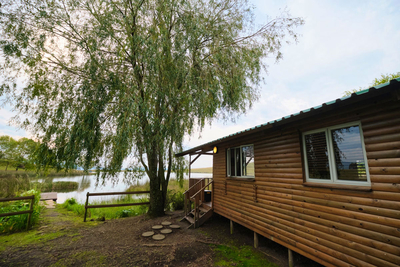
[228, 162]
[331, 156]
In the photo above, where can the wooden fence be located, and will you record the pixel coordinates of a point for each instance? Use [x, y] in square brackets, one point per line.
[32, 198]
[113, 205]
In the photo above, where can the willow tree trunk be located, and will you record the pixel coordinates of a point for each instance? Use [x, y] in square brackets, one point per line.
[156, 194]
[157, 200]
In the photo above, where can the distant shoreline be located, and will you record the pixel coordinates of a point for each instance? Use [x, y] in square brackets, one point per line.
[202, 170]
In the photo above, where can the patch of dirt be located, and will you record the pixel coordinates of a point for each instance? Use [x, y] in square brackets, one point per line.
[120, 243]
[218, 227]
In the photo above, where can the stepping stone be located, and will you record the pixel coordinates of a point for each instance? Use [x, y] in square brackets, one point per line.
[166, 231]
[158, 237]
[174, 226]
[157, 227]
[166, 223]
[148, 234]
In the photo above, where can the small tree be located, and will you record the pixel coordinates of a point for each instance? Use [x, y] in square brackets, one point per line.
[377, 81]
[107, 80]
[17, 153]
[8, 150]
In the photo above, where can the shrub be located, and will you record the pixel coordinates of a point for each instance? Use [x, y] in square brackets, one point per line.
[175, 200]
[72, 205]
[125, 213]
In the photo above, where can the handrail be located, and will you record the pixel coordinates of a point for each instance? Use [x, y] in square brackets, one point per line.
[194, 185]
[196, 198]
[87, 206]
[202, 189]
[15, 198]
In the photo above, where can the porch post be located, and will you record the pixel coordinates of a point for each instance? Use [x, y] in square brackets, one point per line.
[290, 256]
[190, 165]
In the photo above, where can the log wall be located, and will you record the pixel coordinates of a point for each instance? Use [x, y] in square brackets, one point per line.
[333, 226]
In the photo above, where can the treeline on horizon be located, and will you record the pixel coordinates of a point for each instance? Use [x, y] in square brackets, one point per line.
[25, 153]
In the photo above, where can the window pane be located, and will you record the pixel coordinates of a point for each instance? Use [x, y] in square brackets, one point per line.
[232, 162]
[317, 156]
[237, 161]
[248, 160]
[349, 156]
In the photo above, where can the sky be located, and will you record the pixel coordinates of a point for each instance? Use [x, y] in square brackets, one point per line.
[344, 45]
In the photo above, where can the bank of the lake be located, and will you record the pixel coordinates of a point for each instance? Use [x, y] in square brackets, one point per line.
[21, 173]
[77, 186]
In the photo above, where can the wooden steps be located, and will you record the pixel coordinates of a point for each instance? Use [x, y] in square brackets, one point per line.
[202, 210]
[205, 212]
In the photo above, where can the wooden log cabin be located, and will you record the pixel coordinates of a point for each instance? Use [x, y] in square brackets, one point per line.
[324, 182]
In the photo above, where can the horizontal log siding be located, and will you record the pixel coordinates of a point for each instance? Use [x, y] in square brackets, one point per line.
[335, 227]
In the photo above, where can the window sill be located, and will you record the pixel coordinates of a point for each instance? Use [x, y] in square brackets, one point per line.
[240, 179]
[340, 186]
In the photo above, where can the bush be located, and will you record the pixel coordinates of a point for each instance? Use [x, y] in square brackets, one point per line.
[175, 200]
[125, 213]
[18, 222]
[72, 205]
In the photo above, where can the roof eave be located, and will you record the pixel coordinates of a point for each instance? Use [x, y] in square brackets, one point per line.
[344, 101]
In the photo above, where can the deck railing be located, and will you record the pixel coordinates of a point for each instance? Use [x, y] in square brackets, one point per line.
[196, 189]
[196, 198]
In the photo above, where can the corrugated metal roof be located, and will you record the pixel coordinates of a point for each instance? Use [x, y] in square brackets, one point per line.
[296, 114]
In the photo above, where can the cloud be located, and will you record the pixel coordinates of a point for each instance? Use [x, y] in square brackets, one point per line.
[8, 129]
[344, 46]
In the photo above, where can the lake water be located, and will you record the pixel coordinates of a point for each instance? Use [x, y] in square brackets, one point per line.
[90, 184]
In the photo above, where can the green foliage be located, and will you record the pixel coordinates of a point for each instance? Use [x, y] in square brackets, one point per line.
[385, 78]
[18, 222]
[72, 205]
[111, 80]
[377, 81]
[175, 200]
[244, 256]
[18, 154]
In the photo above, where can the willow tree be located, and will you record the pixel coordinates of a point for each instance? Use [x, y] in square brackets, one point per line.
[107, 80]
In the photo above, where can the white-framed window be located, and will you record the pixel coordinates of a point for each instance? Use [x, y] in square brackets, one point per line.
[336, 155]
[240, 161]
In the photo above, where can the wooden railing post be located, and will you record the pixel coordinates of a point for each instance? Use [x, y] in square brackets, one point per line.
[196, 210]
[185, 203]
[212, 194]
[30, 212]
[87, 202]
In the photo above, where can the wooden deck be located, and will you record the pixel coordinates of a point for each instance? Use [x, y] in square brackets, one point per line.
[209, 204]
[49, 195]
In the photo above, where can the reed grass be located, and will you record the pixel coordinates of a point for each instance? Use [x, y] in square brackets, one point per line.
[173, 185]
[12, 173]
[64, 186]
